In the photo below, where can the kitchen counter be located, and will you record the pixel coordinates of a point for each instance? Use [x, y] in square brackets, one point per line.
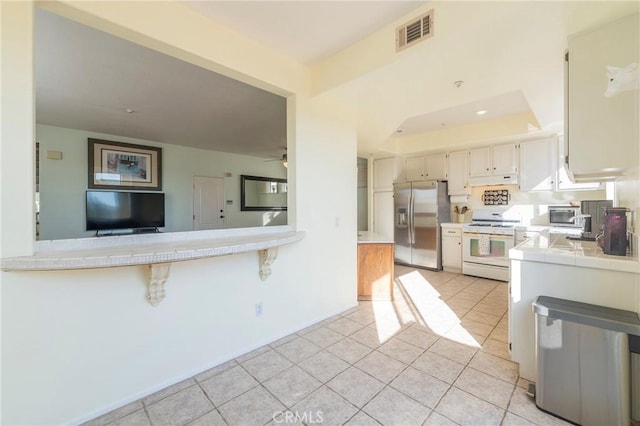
[551, 246]
[370, 237]
[548, 264]
[457, 225]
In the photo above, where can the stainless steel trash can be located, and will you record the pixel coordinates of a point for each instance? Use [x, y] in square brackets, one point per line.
[583, 361]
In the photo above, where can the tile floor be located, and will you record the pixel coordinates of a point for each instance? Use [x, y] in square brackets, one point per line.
[437, 355]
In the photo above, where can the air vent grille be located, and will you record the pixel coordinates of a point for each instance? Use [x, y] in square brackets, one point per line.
[416, 30]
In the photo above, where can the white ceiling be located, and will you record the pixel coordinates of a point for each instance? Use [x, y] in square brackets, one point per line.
[308, 31]
[508, 53]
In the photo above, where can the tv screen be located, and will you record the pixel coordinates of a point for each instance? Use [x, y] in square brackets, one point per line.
[124, 210]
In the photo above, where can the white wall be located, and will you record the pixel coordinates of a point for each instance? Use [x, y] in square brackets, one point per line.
[63, 182]
[76, 344]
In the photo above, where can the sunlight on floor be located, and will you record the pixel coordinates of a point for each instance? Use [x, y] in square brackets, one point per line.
[418, 301]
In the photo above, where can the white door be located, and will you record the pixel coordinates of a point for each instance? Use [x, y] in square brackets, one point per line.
[208, 203]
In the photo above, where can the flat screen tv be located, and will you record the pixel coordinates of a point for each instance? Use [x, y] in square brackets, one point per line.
[110, 210]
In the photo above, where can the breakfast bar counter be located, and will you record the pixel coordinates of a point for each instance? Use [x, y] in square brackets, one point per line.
[375, 266]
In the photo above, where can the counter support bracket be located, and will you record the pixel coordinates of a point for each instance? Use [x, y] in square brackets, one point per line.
[155, 286]
[267, 257]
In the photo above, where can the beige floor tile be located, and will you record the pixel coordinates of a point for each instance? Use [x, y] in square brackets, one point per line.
[116, 414]
[361, 419]
[228, 385]
[438, 366]
[283, 340]
[400, 350]
[525, 407]
[462, 335]
[391, 407]
[266, 365]
[462, 302]
[523, 383]
[255, 407]
[310, 328]
[466, 409]
[298, 349]
[324, 366]
[380, 366]
[485, 387]
[355, 386]
[511, 419]
[345, 326]
[137, 418]
[420, 386]
[323, 337]
[170, 390]
[500, 334]
[496, 348]
[292, 385]
[369, 337]
[349, 350]
[212, 418]
[364, 317]
[496, 367]
[476, 327]
[180, 408]
[418, 336]
[488, 319]
[253, 353]
[331, 407]
[491, 308]
[453, 350]
[215, 370]
[436, 419]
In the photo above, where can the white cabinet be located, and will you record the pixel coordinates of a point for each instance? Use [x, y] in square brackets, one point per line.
[538, 164]
[430, 167]
[384, 173]
[494, 165]
[452, 247]
[383, 213]
[602, 131]
[480, 162]
[458, 173]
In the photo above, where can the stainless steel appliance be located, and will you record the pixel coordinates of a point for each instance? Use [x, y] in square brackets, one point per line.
[419, 209]
[486, 242]
[565, 216]
[596, 210]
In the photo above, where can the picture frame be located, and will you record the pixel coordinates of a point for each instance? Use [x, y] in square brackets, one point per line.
[118, 165]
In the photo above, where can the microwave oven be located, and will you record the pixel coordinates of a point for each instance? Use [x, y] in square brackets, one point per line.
[564, 216]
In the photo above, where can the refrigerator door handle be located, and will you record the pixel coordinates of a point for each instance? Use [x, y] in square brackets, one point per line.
[412, 230]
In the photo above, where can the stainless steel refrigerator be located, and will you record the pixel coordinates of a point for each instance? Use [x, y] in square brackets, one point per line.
[419, 209]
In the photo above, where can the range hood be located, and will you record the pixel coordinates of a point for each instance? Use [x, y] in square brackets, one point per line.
[510, 179]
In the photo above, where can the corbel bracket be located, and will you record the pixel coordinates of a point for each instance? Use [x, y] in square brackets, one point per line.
[155, 286]
[266, 257]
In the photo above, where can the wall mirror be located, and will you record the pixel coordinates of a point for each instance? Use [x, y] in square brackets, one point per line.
[259, 193]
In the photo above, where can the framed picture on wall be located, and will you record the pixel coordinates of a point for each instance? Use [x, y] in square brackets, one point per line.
[116, 165]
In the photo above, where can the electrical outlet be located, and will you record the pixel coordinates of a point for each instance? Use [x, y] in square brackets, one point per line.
[258, 309]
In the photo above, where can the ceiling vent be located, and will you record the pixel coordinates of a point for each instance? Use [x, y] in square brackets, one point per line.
[416, 30]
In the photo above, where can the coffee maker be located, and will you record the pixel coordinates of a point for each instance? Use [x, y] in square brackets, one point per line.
[615, 231]
[595, 209]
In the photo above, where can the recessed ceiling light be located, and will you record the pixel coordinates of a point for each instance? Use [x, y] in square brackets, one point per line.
[129, 111]
[399, 130]
[481, 112]
[458, 83]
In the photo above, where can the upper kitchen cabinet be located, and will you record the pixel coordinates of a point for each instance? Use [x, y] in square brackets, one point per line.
[538, 164]
[458, 173]
[602, 128]
[430, 167]
[494, 165]
[385, 173]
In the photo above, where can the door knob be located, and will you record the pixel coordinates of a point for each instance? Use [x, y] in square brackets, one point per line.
[221, 217]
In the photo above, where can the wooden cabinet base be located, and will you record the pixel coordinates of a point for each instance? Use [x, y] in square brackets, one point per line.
[375, 272]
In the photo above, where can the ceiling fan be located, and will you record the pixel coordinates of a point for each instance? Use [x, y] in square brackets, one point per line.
[283, 158]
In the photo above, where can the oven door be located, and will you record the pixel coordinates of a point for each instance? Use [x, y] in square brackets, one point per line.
[497, 255]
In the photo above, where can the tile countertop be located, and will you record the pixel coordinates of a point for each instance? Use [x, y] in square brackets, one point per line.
[552, 247]
[370, 237]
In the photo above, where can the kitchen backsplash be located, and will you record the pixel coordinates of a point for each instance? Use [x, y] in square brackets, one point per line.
[532, 207]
